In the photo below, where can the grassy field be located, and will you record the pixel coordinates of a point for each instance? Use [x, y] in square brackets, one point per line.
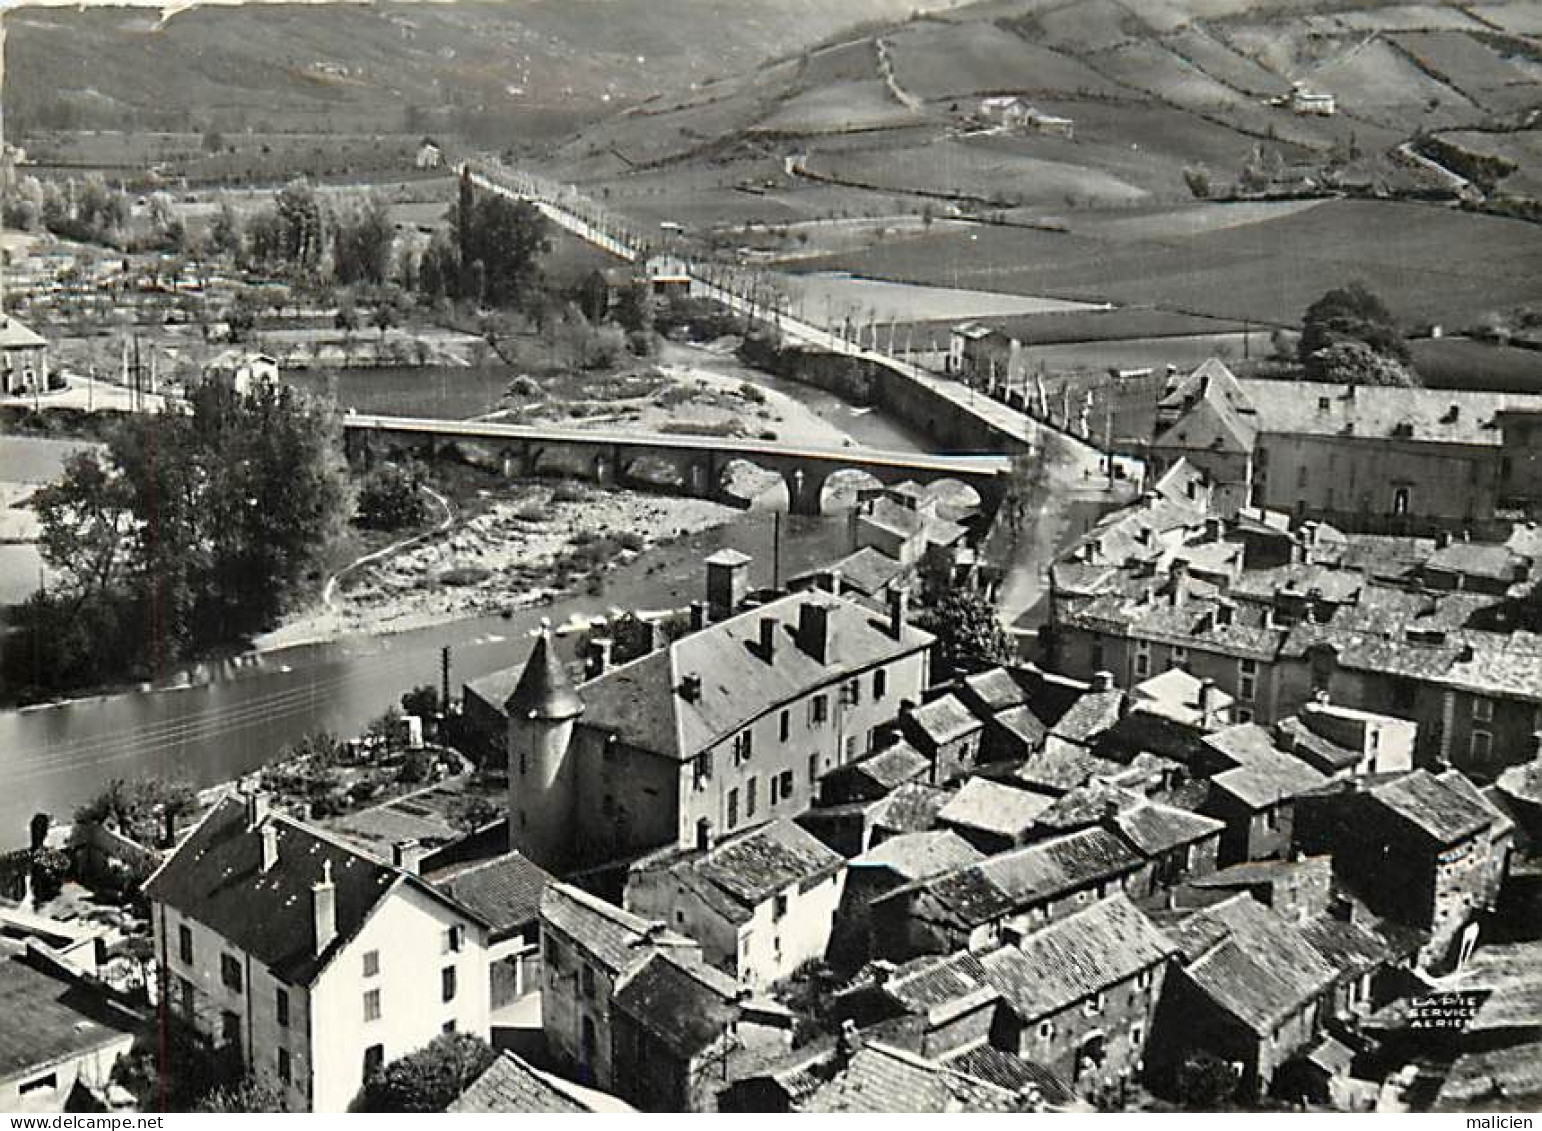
[838, 108]
[1520, 16]
[1482, 74]
[938, 62]
[1225, 65]
[1459, 363]
[1524, 147]
[1456, 268]
[1380, 83]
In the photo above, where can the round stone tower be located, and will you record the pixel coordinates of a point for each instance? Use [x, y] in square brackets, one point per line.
[541, 711]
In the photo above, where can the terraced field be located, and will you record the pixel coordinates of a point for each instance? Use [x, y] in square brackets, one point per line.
[951, 61]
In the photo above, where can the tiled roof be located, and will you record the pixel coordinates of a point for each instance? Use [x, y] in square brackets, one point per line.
[995, 689]
[1444, 814]
[893, 766]
[868, 571]
[882, 1078]
[753, 866]
[1087, 805]
[1506, 1079]
[215, 878]
[614, 937]
[1217, 415]
[1155, 828]
[13, 335]
[918, 855]
[992, 807]
[50, 1017]
[1075, 958]
[544, 690]
[1478, 559]
[1013, 1073]
[505, 892]
[510, 1086]
[1244, 743]
[1089, 716]
[1022, 723]
[1320, 753]
[685, 1004]
[1061, 766]
[1268, 781]
[945, 720]
[911, 808]
[1359, 947]
[1251, 962]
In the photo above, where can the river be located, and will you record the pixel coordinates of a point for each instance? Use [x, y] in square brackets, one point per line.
[222, 720]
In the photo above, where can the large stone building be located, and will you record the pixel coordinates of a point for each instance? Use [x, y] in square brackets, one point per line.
[309, 960]
[727, 727]
[23, 358]
[1360, 457]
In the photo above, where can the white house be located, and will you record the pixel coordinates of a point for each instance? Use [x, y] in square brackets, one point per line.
[23, 358]
[761, 903]
[1305, 101]
[315, 961]
[242, 370]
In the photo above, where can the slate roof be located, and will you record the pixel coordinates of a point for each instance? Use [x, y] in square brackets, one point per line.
[1243, 743]
[1086, 805]
[868, 571]
[912, 807]
[882, 1078]
[1377, 412]
[1022, 877]
[544, 690]
[13, 335]
[214, 878]
[1317, 751]
[51, 1017]
[750, 868]
[640, 702]
[686, 1005]
[1478, 559]
[1218, 415]
[918, 855]
[1060, 766]
[1022, 723]
[1179, 691]
[1251, 962]
[995, 690]
[1090, 716]
[505, 892]
[1013, 1073]
[995, 808]
[1441, 813]
[615, 938]
[891, 767]
[945, 720]
[510, 1086]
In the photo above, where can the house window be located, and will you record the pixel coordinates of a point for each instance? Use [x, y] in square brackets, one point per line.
[880, 683]
[784, 725]
[784, 781]
[1247, 679]
[1179, 657]
[733, 808]
[1137, 1036]
[185, 944]
[586, 980]
[1482, 744]
[374, 1058]
[813, 768]
[1301, 476]
[371, 963]
[1046, 1030]
[818, 710]
[779, 907]
[853, 693]
[284, 1072]
[1097, 655]
[185, 994]
[1142, 658]
[49, 1083]
[372, 1005]
[1483, 709]
[454, 939]
[230, 972]
[1094, 1005]
[1143, 979]
[851, 748]
[448, 1027]
[281, 1007]
[1244, 715]
[744, 747]
[702, 768]
[750, 800]
[447, 983]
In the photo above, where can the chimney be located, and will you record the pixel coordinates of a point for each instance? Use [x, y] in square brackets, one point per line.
[257, 803]
[833, 581]
[597, 657]
[1208, 699]
[408, 855]
[816, 633]
[899, 608]
[728, 580]
[768, 628]
[698, 615]
[269, 837]
[1103, 681]
[324, 907]
[690, 687]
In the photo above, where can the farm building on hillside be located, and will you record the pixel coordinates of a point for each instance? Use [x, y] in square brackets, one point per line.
[430, 156]
[1012, 113]
[241, 370]
[23, 358]
[1305, 101]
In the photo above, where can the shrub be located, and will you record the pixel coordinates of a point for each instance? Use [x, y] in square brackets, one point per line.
[431, 1078]
[390, 500]
[50, 868]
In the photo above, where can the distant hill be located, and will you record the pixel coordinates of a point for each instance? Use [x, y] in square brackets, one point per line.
[510, 70]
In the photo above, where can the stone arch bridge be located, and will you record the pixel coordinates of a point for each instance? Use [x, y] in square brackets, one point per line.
[698, 462]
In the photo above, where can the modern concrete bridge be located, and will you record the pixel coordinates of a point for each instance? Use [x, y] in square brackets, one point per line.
[697, 463]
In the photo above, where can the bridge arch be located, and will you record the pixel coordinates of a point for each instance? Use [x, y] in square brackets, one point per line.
[842, 486]
[743, 482]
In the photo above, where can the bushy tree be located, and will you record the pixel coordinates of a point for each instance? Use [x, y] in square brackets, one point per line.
[361, 245]
[247, 1095]
[1355, 363]
[431, 1078]
[1349, 314]
[390, 499]
[967, 628]
[422, 701]
[139, 806]
[1206, 1083]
